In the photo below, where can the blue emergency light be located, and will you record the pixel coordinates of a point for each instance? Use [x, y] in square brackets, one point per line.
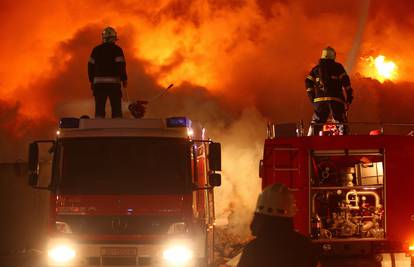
[69, 123]
[178, 122]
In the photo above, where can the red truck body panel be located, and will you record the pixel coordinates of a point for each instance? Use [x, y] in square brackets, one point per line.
[292, 164]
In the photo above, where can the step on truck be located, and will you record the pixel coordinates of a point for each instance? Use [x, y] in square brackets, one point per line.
[129, 192]
[354, 192]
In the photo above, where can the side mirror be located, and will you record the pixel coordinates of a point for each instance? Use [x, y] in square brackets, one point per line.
[214, 179]
[214, 156]
[33, 164]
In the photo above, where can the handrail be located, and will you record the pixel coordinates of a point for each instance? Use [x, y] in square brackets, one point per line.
[299, 129]
[366, 123]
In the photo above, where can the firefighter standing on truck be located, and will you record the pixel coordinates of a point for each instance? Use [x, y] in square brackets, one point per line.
[106, 71]
[324, 86]
[277, 244]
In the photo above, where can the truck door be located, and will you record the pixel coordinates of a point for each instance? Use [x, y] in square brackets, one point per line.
[399, 192]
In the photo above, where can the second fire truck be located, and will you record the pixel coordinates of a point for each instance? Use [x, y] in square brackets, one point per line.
[354, 192]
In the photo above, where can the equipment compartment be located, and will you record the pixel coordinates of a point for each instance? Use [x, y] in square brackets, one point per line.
[369, 173]
[347, 195]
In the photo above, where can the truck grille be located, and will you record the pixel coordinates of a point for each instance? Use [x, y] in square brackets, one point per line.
[120, 225]
[140, 261]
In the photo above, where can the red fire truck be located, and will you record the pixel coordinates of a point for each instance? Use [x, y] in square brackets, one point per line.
[129, 192]
[354, 192]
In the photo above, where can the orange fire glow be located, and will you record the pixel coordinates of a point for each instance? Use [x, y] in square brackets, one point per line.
[248, 53]
[380, 69]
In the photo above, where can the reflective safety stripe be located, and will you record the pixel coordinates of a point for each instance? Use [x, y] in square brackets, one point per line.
[106, 80]
[91, 60]
[342, 75]
[309, 89]
[119, 59]
[328, 98]
[310, 78]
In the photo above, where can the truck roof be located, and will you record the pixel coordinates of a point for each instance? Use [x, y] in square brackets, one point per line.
[178, 127]
[348, 142]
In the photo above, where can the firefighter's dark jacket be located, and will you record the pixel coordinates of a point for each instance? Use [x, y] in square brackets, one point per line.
[277, 244]
[107, 64]
[326, 80]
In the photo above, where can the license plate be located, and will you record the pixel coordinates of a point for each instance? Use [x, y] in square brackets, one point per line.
[118, 251]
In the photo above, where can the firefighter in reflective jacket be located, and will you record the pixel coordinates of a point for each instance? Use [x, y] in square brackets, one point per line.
[325, 85]
[106, 71]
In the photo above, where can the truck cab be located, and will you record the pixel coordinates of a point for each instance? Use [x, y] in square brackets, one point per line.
[130, 192]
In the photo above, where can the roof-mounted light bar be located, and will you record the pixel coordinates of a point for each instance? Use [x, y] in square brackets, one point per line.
[178, 122]
[73, 123]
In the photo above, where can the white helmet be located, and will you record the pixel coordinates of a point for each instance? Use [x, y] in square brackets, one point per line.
[109, 35]
[276, 200]
[328, 53]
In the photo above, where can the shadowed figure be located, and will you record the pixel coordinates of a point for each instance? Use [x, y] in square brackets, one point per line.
[277, 244]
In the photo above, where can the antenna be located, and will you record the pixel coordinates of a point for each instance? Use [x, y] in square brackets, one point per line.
[162, 93]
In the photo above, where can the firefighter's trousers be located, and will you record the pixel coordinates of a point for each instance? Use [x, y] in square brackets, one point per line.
[321, 113]
[104, 91]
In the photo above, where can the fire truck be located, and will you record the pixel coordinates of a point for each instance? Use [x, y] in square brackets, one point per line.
[129, 192]
[354, 192]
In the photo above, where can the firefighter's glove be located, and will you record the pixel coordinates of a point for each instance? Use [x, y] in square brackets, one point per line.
[346, 107]
[349, 97]
[311, 97]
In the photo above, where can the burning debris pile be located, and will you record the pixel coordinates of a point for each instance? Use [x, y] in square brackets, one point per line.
[232, 233]
[228, 244]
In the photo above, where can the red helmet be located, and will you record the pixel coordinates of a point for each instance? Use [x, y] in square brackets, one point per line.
[138, 108]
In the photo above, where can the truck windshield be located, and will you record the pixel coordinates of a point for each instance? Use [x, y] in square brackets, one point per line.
[123, 166]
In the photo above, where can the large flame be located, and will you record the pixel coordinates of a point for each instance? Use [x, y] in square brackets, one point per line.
[380, 69]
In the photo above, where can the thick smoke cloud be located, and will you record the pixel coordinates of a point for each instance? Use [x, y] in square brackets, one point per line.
[235, 64]
[251, 53]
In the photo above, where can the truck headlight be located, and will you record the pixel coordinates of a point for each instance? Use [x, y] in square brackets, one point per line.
[178, 254]
[61, 252]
